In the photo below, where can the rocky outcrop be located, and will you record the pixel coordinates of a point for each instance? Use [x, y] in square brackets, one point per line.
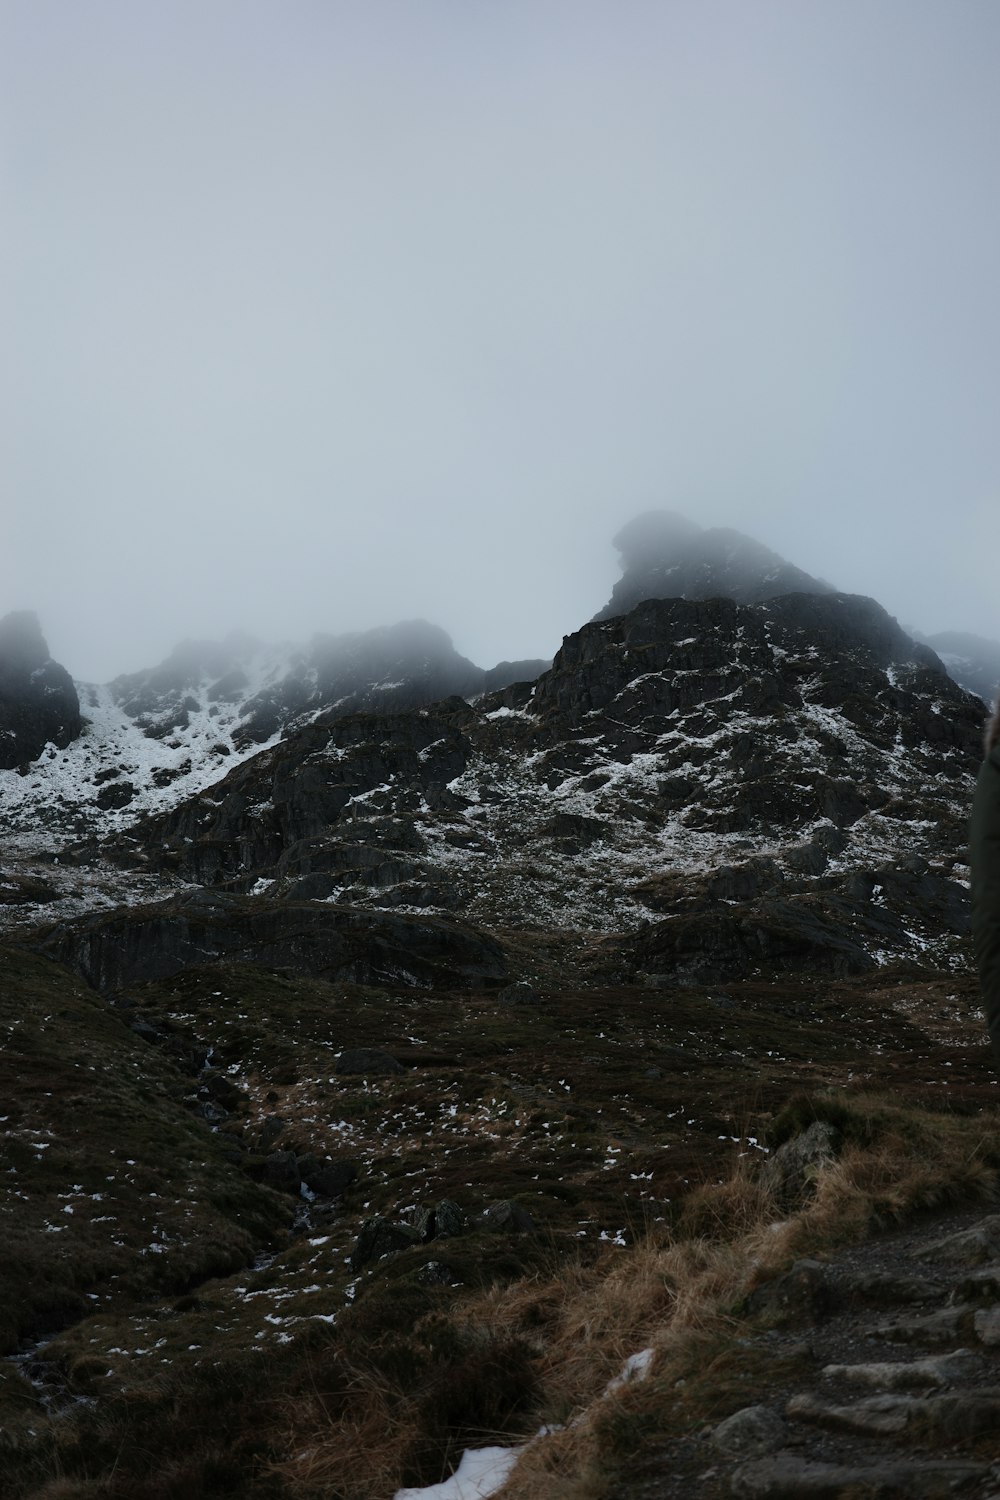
[382, 670]
[642, 773]
[666, 556]
[112, 952]
[38, 702]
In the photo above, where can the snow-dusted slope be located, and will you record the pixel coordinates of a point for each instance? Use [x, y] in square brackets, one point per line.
[155, 738]
[802, 757]
[114, 772]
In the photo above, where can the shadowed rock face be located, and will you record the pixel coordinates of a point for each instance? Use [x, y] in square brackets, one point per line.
[38, 702]
[786, 783]
[376, 948]
[666, 556]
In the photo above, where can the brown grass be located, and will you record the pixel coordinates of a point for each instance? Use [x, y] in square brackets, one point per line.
[682, 1295]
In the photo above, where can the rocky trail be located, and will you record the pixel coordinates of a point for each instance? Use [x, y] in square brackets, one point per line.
[870, 1376]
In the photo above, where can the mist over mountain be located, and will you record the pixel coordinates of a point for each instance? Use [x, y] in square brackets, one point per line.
[973, 661]
[666, 556]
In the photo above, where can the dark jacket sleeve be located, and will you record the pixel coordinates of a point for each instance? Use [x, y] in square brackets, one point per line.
[985, 860]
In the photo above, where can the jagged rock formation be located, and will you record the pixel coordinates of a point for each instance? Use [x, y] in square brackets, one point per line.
[112, 952]
[666, 556]
[973, 661]
[38, 702]
[786, 782]
[155, 737]
[393, 666]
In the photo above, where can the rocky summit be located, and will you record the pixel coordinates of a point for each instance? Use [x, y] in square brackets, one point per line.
[38, 700]
[665, 556]
[782, 784]
[394, 1047]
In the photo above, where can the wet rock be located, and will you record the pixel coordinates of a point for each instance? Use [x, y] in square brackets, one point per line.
[436, 1273]
[20, 890]
[771, 936]
[280, 1171]
[223, 1091]
[888, 1288]
[149, 1032]
[368, 1062]
[986, 1324]
[952, 1417]
[329, 1179]
[380, 1237]
[444, 1220]
[981, 1286]
[752, 1431]
[369, 947]
[117, 794]
[270, 1131]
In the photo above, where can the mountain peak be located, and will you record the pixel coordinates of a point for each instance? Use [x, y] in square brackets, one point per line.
[666, 556]
[38, 702]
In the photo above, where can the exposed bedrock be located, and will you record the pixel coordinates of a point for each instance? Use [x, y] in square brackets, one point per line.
[330, 942]
[38, 701]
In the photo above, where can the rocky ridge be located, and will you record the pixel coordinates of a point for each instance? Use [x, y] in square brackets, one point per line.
[150, 739]
[38, 700]
[666, 556]
[785, 783]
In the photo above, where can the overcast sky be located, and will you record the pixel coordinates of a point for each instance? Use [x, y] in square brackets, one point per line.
[319, 314]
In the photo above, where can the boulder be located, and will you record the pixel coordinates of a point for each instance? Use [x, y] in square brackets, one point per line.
[329, 1179]
[792, 1168]
[379, 1237]
[507, 1217]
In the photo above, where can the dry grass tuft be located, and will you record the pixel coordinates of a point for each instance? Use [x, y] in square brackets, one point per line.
[544, 1349]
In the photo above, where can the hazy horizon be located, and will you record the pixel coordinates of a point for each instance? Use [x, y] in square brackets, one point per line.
[327, 316]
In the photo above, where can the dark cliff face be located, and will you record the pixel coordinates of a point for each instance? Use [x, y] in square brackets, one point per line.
[38, 702]
[800, 768]
[665, 556]
[113, 952]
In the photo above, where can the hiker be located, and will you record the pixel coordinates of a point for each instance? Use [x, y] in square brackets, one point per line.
[985, 860]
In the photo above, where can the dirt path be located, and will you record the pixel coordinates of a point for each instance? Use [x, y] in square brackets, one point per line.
[871, 1376]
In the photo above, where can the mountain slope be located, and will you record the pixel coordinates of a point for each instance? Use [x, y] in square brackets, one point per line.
[150, 739]
[38, 701]
[682, 758]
